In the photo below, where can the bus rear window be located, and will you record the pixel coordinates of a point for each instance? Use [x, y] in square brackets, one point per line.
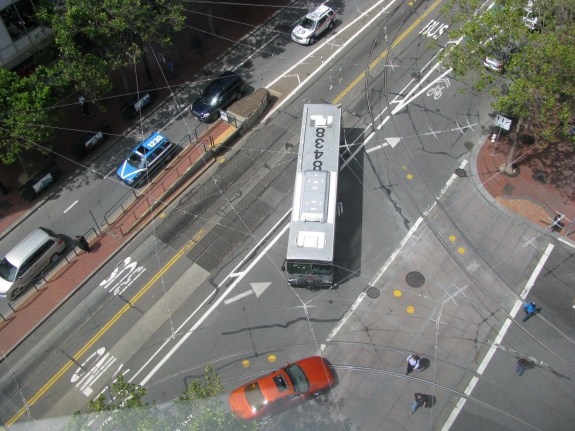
[298, 268]
[322, 269]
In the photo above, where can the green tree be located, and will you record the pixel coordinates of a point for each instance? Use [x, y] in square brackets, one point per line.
[96, 37]
[25, 118]
[538, 85]
[124, 410]
[200, 407]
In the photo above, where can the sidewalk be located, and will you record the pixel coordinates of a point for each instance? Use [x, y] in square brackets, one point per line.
[543, 188]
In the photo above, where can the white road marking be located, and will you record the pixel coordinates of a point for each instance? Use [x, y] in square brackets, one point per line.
[333, 54]
[569, 243]
[238, 297]
[70, 207]
[459, 406]
[190, 331]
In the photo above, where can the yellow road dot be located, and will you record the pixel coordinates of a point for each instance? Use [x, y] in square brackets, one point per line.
[246, 363]
[404, 168]
[397, 293]
[163, 215]
[410, 309]
[452, 238]
[461, 250]
[272, 358]
[221, 160]
[409, 176]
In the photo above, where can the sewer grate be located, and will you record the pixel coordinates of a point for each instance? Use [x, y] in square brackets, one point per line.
[373, 292]
[415, 279]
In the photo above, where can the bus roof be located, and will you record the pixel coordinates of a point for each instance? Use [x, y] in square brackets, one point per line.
[312, 227]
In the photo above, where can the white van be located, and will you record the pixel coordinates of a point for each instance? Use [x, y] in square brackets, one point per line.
[27, 260]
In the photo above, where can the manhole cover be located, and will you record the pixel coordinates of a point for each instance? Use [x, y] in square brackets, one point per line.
[460, 172]
[468, 145]
[415, 279]
[373, 292]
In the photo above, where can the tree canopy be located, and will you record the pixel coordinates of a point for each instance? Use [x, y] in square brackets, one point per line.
[25, 120]
[199, 408]
[94, 38]
[534, 42]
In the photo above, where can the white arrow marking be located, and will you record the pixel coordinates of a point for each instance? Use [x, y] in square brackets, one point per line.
[240, 296]
[259, 288]
[389, 142]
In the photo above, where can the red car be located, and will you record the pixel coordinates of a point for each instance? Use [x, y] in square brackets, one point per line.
[282, 389]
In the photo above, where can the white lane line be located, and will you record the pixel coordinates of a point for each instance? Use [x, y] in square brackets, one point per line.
[232, 274]
[190, 331]
[334, 53]
[459, 406]
[70, 207]
[564, 241]
[451, 179]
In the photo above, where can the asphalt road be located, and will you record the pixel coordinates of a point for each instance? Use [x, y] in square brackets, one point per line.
[202, 284]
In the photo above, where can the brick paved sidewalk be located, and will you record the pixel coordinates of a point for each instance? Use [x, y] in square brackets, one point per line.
[544, 187]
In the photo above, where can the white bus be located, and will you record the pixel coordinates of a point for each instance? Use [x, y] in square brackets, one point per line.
[310, 250]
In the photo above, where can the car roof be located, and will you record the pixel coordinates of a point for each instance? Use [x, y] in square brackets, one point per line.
[27, 246]
[318, 13]
[152, 142]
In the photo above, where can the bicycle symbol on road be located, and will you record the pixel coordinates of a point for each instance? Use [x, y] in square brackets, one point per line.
[437, 91]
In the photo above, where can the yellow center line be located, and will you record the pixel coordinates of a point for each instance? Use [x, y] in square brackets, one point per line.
[102, 331]
[384, 53]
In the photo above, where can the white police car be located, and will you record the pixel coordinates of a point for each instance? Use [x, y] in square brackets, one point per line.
[315, 23]
[146, 159]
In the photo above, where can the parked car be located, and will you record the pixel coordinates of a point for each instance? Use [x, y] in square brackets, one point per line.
[139, 102]
[146, 159]
[27, 260]
[91, 140]
[219, 94]
[282, 389]
[40, 182]
[313, 25]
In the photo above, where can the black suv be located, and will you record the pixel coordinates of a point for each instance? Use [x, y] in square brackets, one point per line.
[219, 94]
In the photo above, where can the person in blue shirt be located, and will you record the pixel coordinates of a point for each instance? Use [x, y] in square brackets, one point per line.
[529, 309]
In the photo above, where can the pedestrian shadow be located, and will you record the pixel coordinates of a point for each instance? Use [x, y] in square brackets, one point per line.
[431, 401]
[424, 364]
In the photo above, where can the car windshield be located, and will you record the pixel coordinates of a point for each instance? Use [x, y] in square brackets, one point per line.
[7, 270]
[307, 23]
[136, 160]
[255, 397]
[298, 378]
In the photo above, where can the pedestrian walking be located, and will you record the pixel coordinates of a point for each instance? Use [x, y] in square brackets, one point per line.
[522, 365]
[86, 108]
[82, 243]
[412, 363]
[556, 225]
[170, 68]
[530, 310]
[420, 400]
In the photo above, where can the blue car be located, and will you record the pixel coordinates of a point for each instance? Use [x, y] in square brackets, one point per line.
[146, 159]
